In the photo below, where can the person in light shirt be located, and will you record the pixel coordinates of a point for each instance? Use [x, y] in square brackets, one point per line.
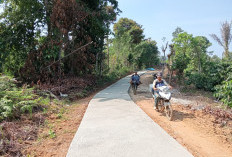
[159, 82]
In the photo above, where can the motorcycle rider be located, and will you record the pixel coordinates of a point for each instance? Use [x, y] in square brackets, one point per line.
[135, 78]
[159, 82]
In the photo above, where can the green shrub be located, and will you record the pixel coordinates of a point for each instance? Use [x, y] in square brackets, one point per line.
[202, 81]
[15, 101]
[196, 79]
[224, 91]
[213, 73]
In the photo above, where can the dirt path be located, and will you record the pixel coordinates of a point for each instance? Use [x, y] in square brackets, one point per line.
[191, 128]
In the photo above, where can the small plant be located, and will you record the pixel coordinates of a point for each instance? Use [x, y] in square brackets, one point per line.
[51, 133]
[45, 110]
[61, 112]
[60, 115]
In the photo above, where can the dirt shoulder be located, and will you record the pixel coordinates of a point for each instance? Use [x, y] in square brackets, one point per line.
[196, 130]
[58, 131]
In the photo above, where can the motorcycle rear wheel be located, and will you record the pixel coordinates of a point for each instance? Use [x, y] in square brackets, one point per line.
[169, 112]
[134, 88]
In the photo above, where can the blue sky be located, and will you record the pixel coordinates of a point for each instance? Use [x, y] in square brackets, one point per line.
[160, 18]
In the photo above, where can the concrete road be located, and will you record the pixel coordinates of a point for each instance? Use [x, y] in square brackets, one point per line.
[114, 126]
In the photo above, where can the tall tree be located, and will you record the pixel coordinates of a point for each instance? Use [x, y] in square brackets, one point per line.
[164, 48]
[128, 34]
[226, 37]
[20, 23]
[129, 27]
[198, 53]
[182, 48]
[112, 17]
[177, 31]
[147, 54]
[36, 33]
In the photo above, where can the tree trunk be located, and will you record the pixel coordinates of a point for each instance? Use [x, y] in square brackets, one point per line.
[170, 77]
[108, 54]
[48, 9]
[96, 65]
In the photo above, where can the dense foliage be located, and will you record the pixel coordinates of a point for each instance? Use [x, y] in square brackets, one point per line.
[34, 34]
[129, 48]
[195, 65]
[224, 91]
[15, 101]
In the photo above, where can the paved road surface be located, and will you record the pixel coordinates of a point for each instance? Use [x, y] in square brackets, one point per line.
[114, 126]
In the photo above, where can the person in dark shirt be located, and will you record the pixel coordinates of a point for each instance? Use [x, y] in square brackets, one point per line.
[135, 78]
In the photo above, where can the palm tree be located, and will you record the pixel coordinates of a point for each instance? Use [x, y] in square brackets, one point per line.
[226, 37]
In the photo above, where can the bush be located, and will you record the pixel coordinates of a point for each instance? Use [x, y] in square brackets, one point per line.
[213, 74]
[224, 91]
[202, 81]
[15, 101]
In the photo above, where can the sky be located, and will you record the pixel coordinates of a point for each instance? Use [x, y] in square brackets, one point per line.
[159, 18]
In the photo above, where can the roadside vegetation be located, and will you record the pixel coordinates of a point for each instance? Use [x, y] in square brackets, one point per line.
[15, 101]
[194, 65]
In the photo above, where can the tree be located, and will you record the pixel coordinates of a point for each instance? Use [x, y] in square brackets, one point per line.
[147, 54]
[129, 27]
[128, 34]
[191, 55]
[177, 31]
[181, 48]
[20, 24]
[164, 48]
[215, 58]
[110, 10]
[198, 54]
[226, 37]
[36, 33]
[170, 61]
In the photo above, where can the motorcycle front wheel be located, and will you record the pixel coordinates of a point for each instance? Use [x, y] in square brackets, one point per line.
[160, 107]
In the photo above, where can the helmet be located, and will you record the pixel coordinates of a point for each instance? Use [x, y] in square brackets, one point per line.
[159, 75]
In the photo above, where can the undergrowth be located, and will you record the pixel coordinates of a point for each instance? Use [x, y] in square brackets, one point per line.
[15, 101]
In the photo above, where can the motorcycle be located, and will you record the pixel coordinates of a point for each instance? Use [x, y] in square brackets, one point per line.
[164, 96]
[154, 76]
[134, 87]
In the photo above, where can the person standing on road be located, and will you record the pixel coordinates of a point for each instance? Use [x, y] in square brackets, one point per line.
[159, 82]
